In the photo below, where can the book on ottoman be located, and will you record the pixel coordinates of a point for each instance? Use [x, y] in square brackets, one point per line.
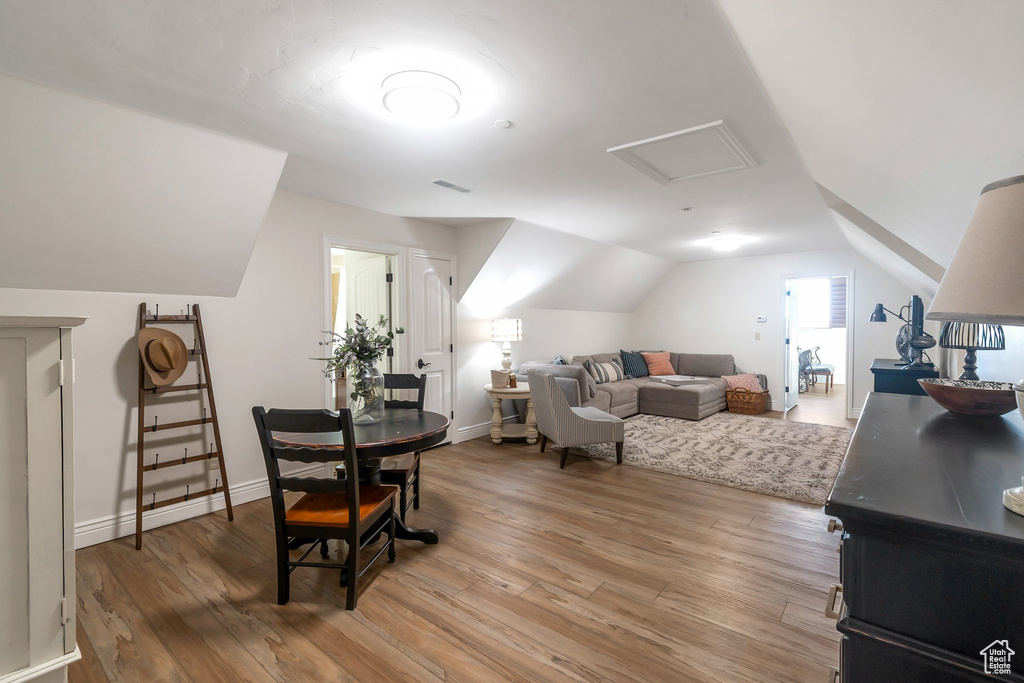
[679, 380]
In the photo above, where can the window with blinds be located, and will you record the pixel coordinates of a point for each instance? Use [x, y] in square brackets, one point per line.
[837, 302]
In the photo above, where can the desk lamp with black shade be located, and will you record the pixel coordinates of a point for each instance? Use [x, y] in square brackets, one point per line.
[984, 282]
[911, 339]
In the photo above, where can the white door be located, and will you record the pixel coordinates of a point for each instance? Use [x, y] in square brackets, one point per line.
[792, 387]
[366, 290]
[431, 333]
[32, 532]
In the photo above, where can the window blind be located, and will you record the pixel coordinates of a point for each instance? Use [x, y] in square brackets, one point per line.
[837, 303]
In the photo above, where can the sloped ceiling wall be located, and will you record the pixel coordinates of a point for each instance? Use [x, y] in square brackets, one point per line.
[536, 267]
[904, 109]
[475, 243]
[873, 241]
[98, 197]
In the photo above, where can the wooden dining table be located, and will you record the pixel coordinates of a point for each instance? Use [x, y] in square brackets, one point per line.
[403, 430]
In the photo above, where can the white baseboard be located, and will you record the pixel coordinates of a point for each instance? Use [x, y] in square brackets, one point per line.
[122, 524]
[478, 430]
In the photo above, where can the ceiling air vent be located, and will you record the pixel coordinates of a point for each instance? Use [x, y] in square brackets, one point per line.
[452, 186]
[684, 154]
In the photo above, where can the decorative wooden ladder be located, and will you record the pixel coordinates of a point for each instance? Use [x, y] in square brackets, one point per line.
[199, 349]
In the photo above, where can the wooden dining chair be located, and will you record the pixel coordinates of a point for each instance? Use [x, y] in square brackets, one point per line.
[404, 470]
[343, 510]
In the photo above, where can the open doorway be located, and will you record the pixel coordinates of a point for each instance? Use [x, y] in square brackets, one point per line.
[817, 345]
[361, 282]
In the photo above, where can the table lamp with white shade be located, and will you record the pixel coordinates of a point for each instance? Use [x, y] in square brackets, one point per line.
[506, 330]
[984, 282]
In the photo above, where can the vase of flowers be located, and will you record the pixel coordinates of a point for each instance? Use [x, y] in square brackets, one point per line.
[357, 353]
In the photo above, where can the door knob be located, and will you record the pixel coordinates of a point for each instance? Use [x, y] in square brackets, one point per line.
[420, 364]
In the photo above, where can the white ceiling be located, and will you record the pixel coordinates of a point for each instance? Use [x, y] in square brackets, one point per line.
[575, 78]
[905, 108]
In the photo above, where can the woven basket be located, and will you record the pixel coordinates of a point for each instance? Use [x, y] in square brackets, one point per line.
[745, 401]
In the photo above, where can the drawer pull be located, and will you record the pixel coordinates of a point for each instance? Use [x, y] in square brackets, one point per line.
[830, 610]
[835, 525]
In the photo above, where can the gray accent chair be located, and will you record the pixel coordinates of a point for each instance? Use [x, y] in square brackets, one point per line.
[570, 426]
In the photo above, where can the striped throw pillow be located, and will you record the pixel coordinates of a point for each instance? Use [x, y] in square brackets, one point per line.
[605, 372]
[633, 364]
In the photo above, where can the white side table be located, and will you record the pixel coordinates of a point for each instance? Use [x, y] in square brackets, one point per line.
[506, 430]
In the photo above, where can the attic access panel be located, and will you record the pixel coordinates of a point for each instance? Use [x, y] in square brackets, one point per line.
[684, 154]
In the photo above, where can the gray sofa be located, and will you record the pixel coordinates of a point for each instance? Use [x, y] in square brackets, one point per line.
[642, 395]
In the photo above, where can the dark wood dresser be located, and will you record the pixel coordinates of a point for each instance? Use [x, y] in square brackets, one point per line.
[931, 563]
[898, 379]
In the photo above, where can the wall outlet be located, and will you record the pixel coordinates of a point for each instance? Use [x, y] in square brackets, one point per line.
[213, 464]
[757, 336]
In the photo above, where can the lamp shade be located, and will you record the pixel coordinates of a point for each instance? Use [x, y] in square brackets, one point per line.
[507, 330]
[984, 283]
[877, 315]
[979, 336]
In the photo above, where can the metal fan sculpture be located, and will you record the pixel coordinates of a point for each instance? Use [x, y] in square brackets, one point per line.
[911, 339]
[903, 337]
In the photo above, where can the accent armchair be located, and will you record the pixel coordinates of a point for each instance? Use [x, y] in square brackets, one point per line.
[567, 426]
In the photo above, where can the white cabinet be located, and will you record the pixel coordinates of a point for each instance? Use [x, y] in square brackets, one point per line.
[37, 556]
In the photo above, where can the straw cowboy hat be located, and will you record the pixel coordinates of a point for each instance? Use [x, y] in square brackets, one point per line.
[163, 355]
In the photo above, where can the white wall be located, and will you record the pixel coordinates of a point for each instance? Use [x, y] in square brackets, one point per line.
[259, 344]
[546, 334]
[710, 307]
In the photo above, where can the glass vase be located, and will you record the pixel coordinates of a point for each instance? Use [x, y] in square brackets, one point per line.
[366, 394]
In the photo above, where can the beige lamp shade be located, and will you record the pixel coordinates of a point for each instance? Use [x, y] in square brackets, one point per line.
[985, 281]
[507, 330]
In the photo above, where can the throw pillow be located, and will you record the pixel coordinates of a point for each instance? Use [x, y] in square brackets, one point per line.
[605, 372]
[747, 380]
[591, 384]
[658, 363]
[633, 364]
[559, 361]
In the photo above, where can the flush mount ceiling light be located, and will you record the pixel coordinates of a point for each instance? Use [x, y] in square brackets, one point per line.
[720, 242]
[421, 96]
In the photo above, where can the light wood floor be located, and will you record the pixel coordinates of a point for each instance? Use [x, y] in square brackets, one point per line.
[596, 572]
[817, 406]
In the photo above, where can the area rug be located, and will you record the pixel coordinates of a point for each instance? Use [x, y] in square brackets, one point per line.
[792, 460]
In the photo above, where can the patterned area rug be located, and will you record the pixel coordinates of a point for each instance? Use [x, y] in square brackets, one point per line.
[792, 460]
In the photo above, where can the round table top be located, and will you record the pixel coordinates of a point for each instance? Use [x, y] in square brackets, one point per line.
[402, 430]
[521, 388]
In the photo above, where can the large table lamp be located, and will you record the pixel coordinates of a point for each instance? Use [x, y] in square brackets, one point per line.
[506, 330]
[984, 282]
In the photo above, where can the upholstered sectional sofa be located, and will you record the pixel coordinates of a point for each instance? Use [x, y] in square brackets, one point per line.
[642, 394]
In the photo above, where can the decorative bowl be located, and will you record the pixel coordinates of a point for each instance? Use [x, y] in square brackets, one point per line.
[971, 397]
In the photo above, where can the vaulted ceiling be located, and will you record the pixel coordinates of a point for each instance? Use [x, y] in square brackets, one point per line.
[574, 77]
[903, 109]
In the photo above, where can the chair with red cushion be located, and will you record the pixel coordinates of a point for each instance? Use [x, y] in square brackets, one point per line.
[330, 508]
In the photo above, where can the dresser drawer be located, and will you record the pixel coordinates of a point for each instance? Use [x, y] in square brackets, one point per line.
[949, 596]
[870, 655]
